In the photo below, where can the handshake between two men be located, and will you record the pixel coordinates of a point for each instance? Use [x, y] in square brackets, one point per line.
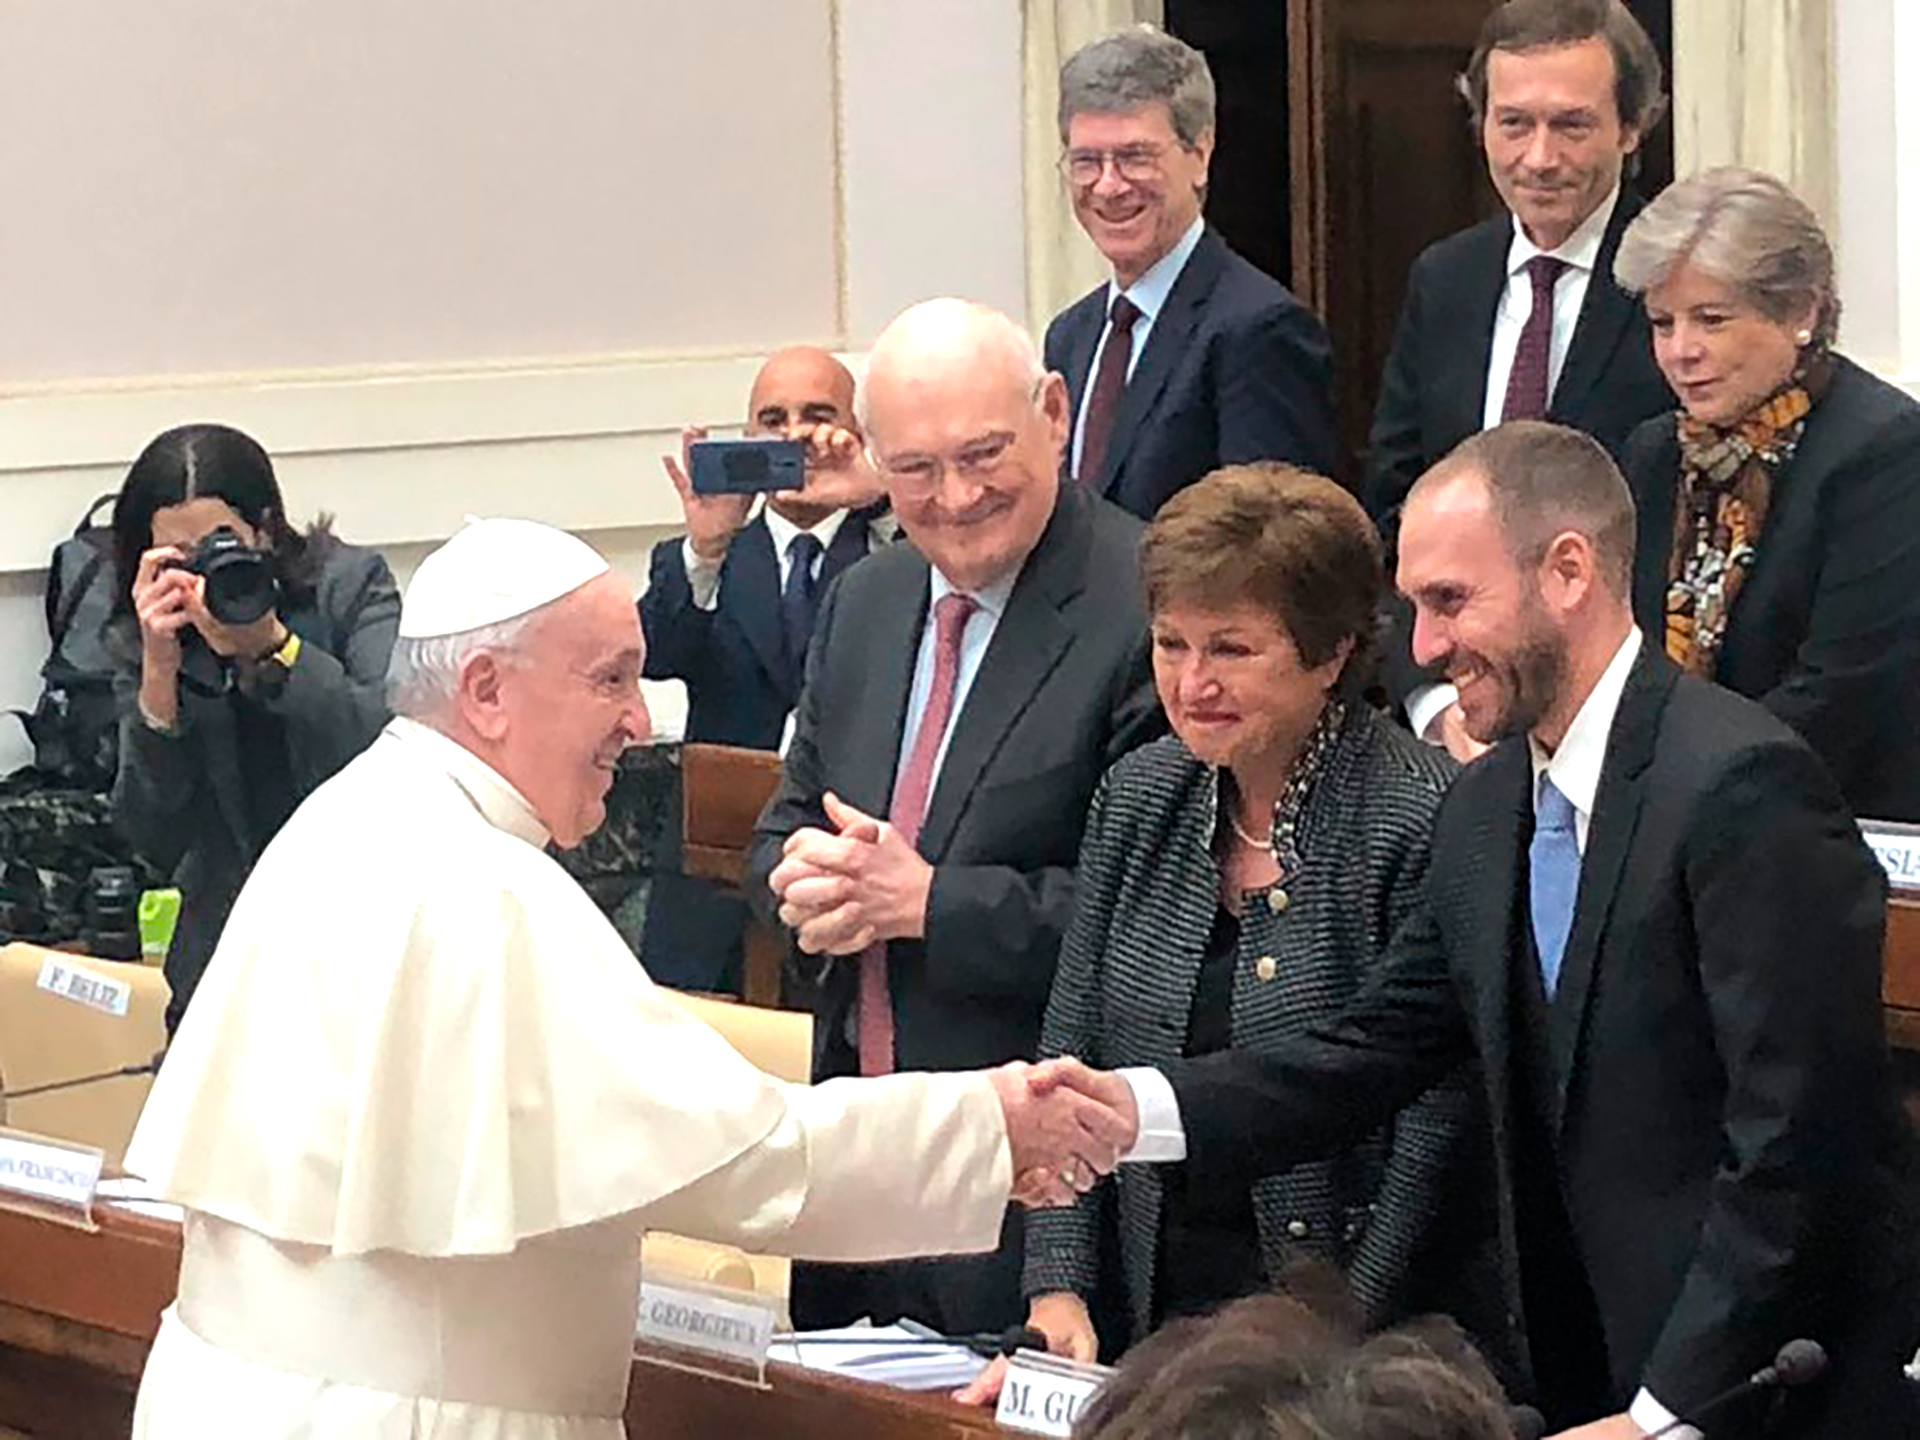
[1067, 1126]
[848, 893]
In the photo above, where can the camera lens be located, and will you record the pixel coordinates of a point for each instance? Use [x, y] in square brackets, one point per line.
[240, 581]
[113, 913]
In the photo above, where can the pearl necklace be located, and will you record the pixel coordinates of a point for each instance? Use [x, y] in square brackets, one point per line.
[1262, 845]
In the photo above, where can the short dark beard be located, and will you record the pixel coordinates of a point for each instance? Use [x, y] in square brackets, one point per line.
[1534, 680]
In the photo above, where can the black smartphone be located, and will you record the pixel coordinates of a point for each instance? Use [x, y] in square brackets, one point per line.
[745, 467]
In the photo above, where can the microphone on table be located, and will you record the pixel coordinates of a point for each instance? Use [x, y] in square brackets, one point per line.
[1796, 1363]
[1527, 1422]
[149, 1067]
[981, 1342]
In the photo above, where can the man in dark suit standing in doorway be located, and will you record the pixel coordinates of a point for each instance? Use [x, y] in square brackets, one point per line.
[1189, 358]
[964, 695]
[1519, 318]
[729, 611]
[1653, 924]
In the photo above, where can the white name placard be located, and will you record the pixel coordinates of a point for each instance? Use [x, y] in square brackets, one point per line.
[1897, 848]
[46, 1170]
[1044, 1394]
[734, 1327]
[59, 976]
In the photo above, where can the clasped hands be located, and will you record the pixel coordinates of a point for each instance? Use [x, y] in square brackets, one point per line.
[841, 892]
[1067, 1125]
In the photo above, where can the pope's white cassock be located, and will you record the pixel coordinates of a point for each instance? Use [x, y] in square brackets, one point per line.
[425, 1103]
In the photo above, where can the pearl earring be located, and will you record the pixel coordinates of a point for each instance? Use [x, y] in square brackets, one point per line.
[1803, 339]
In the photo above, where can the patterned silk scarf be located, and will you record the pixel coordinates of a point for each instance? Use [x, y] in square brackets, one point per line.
[1720, 512]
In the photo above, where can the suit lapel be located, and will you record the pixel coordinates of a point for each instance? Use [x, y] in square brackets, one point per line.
[849, 545]
[1653, 551]
[1498, 907]
[1604, 317]
[215, 731]
[893, 632]
[1166, 342]
[752, 587]
[1085, 322]
[1483, 282]
[1616, 815]
[1029, 641]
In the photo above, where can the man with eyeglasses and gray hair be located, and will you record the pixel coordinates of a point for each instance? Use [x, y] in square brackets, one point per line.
[1189, 358]
[963, 697]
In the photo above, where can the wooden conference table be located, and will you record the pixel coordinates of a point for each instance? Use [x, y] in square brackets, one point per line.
[78, 1310]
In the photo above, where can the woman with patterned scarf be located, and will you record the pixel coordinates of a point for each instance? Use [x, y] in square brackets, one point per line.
[1779, 509]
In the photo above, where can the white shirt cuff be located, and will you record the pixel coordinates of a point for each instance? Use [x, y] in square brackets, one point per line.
[1651, 1416]
[703, 578]
[1162, 1139]
[1426, 704]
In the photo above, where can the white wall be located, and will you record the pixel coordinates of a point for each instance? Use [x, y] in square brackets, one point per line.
[1877, 114]
[465, 256]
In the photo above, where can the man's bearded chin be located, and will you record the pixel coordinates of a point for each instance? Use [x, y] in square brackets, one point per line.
[1531, 680]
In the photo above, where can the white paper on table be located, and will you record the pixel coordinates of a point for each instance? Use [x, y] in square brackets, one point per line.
[876, 1353]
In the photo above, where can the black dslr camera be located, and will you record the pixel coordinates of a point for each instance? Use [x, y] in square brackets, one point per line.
[240, 581]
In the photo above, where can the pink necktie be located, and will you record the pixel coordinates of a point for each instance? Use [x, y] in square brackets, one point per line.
[906, 813]
[1527, 391]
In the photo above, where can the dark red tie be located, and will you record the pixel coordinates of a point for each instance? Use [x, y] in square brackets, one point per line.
[1109, 384]
[906, 813]
[1527, 381]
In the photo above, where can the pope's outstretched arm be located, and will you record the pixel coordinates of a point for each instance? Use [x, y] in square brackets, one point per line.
[899, 1166]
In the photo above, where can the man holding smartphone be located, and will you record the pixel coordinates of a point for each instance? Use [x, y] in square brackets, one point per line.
[728, 610]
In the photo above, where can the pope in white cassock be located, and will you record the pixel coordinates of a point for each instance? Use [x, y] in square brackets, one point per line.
[425, 1102]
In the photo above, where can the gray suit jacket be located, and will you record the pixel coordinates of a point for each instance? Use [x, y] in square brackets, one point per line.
[1065, 690]
[1125, 988]
[181, 796]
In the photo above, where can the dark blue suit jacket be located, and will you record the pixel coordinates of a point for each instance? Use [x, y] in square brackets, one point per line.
[1708, 1090]
[1433, 393]
[740, 680]
[1234, 369]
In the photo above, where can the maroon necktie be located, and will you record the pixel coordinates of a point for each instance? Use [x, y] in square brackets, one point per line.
[1109, 383]
[906, 813]
[1527, 381]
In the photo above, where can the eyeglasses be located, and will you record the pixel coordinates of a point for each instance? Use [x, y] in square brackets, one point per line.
[920, 475]
[1136, 164]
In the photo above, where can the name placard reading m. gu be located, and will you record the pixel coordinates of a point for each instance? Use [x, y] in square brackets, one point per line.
[1044, 1394]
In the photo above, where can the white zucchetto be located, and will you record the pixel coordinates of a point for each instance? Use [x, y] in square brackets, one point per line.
[494, 570]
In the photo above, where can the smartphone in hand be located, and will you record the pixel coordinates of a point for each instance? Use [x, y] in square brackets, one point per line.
[745, 467]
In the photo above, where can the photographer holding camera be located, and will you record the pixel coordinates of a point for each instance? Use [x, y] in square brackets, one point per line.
[253, 666]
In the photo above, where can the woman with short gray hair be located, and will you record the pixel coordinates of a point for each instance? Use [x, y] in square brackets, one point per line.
[1779, 508]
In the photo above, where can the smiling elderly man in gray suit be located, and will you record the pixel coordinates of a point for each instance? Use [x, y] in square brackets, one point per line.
[963, 698]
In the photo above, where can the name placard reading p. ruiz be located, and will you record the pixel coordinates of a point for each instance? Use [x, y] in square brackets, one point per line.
[60, 976]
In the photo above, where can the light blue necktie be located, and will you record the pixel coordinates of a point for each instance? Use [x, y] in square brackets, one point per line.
[1553, 879]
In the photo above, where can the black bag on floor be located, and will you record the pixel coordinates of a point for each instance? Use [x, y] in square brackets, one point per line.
[74, 727]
